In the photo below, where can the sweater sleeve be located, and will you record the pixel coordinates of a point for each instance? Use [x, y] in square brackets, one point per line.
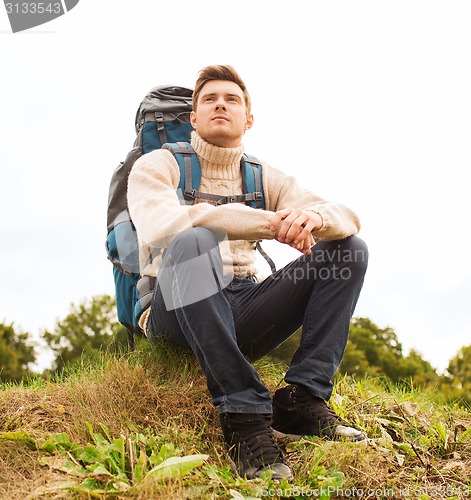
[283, 192]
[159, 214]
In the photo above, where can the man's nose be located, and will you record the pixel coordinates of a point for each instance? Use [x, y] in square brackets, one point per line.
[220, 103]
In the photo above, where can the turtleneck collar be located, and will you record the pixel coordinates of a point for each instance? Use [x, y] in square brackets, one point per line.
[217, 162]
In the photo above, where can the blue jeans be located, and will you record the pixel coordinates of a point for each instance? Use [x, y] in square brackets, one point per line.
[227, 324]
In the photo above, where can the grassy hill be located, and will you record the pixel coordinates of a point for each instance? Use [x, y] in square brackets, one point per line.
[140, 425]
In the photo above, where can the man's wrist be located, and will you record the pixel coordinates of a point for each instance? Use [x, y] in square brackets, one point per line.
[319, 221]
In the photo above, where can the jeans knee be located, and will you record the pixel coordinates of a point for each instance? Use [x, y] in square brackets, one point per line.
[356, 252]
[193, 242]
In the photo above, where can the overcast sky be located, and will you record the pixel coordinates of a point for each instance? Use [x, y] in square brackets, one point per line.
[365, 102]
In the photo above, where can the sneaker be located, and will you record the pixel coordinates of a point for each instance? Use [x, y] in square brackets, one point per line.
[296, 413]
[252, 446]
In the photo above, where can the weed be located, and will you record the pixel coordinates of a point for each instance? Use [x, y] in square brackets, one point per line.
[109, 465]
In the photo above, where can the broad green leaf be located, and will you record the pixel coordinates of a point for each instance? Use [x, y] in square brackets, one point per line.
[91, 487]
[57, 442]
[89, 454]
[69, 467]
[118, 452]
[61, 439]
[213, 473]
[175, 467]
[47, 491]
[337, 478]
[89, 427]
[117, 445]
[98, 439]
[20, 436]
[49, 446]
[165, 451]
[106, 432]
[100, 442]
[99, 470]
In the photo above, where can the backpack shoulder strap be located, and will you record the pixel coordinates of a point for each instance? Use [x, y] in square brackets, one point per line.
[252, 178]
[253, 183]
[190, 169]
[190, 177]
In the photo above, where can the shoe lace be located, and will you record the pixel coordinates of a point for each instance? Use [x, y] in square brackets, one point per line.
[256, 437]
[318, 409]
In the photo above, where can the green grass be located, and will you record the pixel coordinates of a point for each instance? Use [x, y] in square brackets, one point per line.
[140, 425]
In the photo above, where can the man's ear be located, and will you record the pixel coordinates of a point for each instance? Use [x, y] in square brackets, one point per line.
[193, 119]
[248, 122]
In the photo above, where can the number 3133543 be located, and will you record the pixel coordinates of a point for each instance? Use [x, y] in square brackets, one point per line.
[34, 7]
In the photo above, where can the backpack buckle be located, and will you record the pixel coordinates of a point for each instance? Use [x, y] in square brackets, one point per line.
[190, 193]
[258, 196]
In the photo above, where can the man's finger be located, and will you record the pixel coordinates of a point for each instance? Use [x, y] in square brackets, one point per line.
[277, 219]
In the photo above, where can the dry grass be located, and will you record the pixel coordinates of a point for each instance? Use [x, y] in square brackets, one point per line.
[137, 387]
[133, 392]
[417, 445]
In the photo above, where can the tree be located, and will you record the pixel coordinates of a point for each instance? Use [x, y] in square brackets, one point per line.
[417, 369]
[89, 327]
[459, 367]
[372, 350]
[16, 353]
[456, 383]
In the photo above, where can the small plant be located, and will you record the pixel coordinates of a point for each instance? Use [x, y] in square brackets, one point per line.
[110, 465]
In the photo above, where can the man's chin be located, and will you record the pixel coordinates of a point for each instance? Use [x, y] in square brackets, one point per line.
[222, 140]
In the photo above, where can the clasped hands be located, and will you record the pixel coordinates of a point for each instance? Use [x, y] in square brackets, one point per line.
[294, 228]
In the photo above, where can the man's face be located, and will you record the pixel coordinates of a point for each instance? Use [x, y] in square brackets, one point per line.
[221, 115]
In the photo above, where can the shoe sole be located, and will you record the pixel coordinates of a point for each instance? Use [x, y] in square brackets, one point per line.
[274, 477]
[282, 435]
[297, 437]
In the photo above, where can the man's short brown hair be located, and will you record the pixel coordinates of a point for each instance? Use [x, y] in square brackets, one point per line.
[220, 72]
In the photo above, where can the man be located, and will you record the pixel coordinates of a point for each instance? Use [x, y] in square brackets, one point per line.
[207, 299]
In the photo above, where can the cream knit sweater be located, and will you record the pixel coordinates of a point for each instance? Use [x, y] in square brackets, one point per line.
[159, 214]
